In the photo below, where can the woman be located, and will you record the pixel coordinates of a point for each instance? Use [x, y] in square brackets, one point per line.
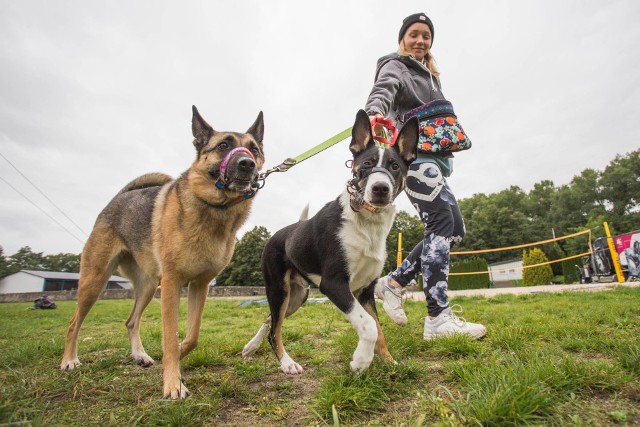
[406, 80]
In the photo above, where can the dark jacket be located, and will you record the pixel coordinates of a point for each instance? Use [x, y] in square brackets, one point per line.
[401, 84]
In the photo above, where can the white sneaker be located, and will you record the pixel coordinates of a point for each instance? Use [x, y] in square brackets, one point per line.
[448, 323]
[392, 299]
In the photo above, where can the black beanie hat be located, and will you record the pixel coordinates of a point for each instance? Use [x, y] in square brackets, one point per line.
[412, 19]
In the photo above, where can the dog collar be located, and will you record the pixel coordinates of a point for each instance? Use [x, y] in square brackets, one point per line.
[234, 201]
[356, 206]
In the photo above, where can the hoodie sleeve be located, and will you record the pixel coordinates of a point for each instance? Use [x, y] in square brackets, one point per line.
[384, 89]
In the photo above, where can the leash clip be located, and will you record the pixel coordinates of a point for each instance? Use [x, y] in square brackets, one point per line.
[282, 167]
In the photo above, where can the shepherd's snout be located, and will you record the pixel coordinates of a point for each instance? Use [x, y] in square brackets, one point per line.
[246, 165]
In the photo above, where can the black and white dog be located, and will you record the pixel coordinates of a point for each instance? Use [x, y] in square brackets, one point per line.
[342, 248]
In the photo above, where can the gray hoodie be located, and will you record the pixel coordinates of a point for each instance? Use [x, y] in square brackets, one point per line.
[401, 84]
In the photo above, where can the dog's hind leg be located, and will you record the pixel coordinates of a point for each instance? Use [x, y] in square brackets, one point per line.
[299, 291]
[144, 288]
[197, 296]
[100, 257]
[367, 299]
[337, 290]
[279, 303]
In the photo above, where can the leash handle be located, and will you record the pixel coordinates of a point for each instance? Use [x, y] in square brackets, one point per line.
[387, 124]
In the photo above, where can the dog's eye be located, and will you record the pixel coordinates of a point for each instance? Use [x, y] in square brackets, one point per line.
[223, 145]
[395, 166]
[366, 164]
[255, 150]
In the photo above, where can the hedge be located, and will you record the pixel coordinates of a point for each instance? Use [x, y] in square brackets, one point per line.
[470, 281]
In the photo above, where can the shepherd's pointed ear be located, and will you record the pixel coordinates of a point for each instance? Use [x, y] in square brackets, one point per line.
[361, 133]
[407, 141]
[257, 129]
[202, 132]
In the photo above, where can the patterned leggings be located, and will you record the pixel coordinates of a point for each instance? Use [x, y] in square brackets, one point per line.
[431, 196]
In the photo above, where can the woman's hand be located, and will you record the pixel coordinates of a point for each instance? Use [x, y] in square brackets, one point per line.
[378, 129]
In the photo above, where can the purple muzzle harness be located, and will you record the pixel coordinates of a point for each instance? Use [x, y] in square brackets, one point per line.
[223, 180]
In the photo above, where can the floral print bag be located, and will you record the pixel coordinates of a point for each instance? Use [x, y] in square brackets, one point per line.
[439, 129]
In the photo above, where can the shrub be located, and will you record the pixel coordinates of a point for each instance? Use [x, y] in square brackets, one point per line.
[470, 281]
[569, 271]
[534, 276]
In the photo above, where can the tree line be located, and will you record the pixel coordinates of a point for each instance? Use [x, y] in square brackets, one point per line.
[26, 259]
[507, 218]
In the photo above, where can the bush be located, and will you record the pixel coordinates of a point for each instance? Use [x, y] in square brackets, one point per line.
[535, 276]
[471, 281]
[569, 271]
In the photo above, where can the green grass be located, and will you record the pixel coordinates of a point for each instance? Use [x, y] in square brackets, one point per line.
[548, 359]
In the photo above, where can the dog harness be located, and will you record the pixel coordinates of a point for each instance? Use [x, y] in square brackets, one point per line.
[222, 179]
[355, 191]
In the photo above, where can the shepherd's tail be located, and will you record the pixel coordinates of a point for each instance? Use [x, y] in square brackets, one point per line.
[154, 179]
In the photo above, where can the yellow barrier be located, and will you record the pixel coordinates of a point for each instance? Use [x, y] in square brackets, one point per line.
[502, 270]
[526, 245]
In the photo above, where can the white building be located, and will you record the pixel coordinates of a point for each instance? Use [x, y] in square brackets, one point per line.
[41, 281]
[506, 272]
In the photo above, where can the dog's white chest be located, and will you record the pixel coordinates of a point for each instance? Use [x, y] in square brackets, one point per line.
[364, 245]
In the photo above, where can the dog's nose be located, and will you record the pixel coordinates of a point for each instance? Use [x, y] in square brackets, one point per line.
[380, 189]
[246, 165]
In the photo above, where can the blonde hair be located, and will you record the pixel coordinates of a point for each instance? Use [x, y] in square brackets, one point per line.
[428, 60]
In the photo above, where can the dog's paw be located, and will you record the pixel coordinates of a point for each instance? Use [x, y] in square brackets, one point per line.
[176, 390]
[249, 350]
[69, 365]
[289, 366]
[292, 369]
[144, 361]
[359, 366]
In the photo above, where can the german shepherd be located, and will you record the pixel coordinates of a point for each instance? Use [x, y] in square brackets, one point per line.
[172, 232]
[342, 248]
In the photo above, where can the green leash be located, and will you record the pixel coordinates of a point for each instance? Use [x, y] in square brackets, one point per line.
[323, 146]
[290, 162]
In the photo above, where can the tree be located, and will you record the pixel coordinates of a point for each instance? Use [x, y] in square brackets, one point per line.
[245, 266]
[496, 221]
[69, 263]
[534, 276]
[412, 231]
[538, 208]
[4, 264]
[620, 183]
[25, 259]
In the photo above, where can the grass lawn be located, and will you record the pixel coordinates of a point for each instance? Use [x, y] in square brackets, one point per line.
[548, 359]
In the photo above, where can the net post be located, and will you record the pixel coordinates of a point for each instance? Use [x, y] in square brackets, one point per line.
[614, 254]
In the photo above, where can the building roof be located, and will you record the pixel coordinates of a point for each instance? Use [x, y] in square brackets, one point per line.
[66, 276]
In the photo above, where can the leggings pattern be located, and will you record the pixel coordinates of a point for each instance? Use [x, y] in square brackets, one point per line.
[436, 205]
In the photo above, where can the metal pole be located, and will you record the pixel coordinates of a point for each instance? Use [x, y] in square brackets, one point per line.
[614, 254]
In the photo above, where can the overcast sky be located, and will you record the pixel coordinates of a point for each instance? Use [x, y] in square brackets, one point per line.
[93, 94]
